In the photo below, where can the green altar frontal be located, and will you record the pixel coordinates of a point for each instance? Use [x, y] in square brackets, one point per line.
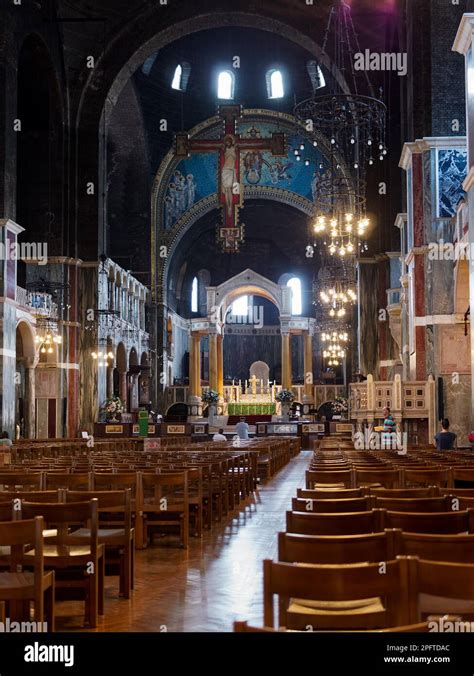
[252, 409]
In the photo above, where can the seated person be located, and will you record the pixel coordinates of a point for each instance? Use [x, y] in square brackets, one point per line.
[5, 440]
[242, 429]
[445, 439]
[219, 436]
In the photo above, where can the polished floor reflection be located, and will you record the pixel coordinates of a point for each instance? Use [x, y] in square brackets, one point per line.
[218, 580]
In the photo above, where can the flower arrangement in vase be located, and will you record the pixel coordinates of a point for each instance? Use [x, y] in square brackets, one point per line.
[210, 397]
[285, 397]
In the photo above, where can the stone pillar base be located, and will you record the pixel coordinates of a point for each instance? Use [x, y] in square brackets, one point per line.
[307, 402]
[194, 407]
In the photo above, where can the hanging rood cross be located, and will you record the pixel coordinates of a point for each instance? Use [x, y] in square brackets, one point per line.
[229, 146]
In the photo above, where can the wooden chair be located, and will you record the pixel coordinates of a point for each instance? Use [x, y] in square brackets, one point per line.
[115, 531]
[330, 506]
[457, 548]
[25, 480]
[333, 549]
[335, 597]
[429, 492]
[442, 587]
[74, 482]
[26, 580]
[334, 494]
[162, 502]
[334, 524]
[244, 627]
[78, 561]
[335, 479]
[428, 477]
[388, 478]
[438, 504]
[430, 522]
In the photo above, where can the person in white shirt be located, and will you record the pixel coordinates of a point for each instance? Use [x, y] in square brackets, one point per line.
[219, 436]
[5, 440]
[242, 429]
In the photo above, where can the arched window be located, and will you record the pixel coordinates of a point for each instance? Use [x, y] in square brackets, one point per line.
[275, 84]
[225, 85]
[194, 295]
[181, 77]
[178, 74]
[240, 307]
[296, 303]
[316, 75]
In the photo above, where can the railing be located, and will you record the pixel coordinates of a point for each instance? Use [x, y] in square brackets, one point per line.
[39, 304]
[407, 400]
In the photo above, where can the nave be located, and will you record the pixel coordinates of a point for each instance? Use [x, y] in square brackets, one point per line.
[217, 581]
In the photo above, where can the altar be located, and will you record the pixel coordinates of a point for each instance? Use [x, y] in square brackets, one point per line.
[258, 398]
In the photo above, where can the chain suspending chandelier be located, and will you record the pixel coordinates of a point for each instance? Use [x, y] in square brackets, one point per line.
[354, 124]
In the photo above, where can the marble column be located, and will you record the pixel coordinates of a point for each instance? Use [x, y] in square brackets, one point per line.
[220, 365]
[194, 395]
[30, 408]
[110, 381]
[213, 361]
[286, 361]
[123, 389]
[308, 365]
[134, 392]
[197, 363]
[464, 44]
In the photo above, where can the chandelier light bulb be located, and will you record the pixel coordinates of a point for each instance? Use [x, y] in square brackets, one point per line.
[333, 140]
[306, 163]
[332, 312]
[298, 158]
[352, 140]
[297, 152]
[302, 146]
[315, 143]
[371, 161]
[43, 350]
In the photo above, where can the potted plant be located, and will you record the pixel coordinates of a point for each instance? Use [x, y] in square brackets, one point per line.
[286, 398]
[113, 407]
[340, 407]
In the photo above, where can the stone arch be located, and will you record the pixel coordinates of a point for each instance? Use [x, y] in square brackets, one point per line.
[25, 342]
[39, 169]
[121, 359]
[246, 283]
[133, 358]
[129, 50]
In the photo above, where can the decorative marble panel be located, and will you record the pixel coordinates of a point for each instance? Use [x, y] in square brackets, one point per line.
[452, 164]
[454, 350]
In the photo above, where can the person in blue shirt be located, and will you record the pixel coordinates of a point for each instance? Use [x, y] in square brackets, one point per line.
[445, 439]
[242, 429]
[389, 424]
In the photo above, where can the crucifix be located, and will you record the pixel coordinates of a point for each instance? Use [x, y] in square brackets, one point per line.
[229, 146]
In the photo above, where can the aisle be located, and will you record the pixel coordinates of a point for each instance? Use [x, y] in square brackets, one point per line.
[219, 579]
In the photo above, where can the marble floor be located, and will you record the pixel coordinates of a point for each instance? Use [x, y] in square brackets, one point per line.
[218, 580]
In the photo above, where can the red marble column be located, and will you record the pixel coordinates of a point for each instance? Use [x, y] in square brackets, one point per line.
[72, 336]
[419, 264]
[383, 285]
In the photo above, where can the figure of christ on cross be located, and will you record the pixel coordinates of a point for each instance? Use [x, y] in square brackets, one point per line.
[229, 147]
